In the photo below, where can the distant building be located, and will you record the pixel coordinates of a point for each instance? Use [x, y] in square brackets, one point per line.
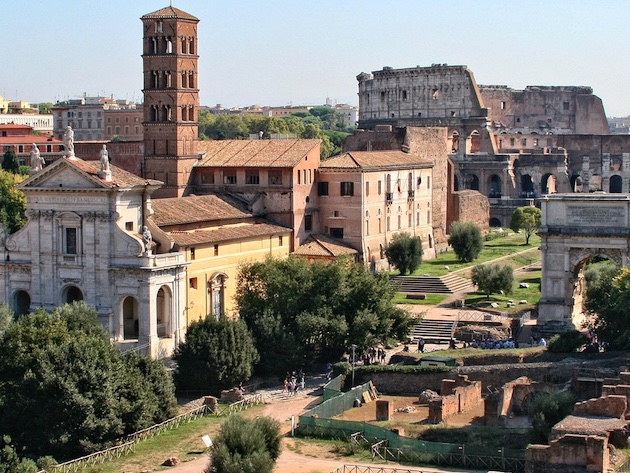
[21, 138]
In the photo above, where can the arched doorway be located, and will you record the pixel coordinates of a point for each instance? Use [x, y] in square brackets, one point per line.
[527, 186]
[21, 303]
[616, 184]
[71, 294]
[495, 222]
[576, 183]
[131, 325]
[494, 186]
[549, 184]
[454, 142]
[474, 182]
[164, 312]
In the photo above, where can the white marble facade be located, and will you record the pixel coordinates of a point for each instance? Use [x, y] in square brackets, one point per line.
[83, 242]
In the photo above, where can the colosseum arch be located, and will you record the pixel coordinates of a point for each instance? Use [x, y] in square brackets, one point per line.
[576, 228]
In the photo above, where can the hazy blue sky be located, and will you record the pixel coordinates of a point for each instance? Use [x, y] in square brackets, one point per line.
[276, 52]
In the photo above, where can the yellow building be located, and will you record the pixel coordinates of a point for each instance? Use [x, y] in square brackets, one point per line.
[217, 235]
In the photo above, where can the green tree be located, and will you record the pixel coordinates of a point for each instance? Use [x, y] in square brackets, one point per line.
[78, 392]
[546, 410]
[607, 301]
[299, 310]
[246, 446]
[12, 203]
[10, 162]
[10, 462]
[466, 240]
[45, 108]
[405, 252]
[493, 279]
[567, 342]
[527, 219]
[6, 317]
[217, 354]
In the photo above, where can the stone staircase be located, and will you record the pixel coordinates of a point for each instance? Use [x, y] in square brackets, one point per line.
[433, 330]
[449, 284]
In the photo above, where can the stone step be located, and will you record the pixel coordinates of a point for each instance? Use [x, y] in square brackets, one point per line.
[433, 330]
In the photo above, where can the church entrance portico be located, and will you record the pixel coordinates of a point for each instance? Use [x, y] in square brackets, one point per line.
[574, 229]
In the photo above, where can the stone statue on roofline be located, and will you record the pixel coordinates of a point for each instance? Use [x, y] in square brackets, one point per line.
[37, 162]
[68, 141]
[105, 172]
[147, 239]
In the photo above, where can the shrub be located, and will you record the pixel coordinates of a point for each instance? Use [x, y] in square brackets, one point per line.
[342, 368]
[567, 342]
[546, 410]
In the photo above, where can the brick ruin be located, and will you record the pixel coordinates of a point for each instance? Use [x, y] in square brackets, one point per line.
[457, 395]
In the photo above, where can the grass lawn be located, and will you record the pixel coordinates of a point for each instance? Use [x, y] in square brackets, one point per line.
[183, 442]
[430, 299]
[475, 352]
[531, 294]
[498, 248]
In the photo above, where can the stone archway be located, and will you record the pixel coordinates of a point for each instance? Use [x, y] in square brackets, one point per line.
[574, 229]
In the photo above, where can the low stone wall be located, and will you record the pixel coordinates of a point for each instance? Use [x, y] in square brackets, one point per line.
[493, 377]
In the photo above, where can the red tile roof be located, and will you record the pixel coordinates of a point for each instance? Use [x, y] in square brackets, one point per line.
[324, 245]
[120, 177]
[202, 208]
[170, 12]
[233, 232]
[255, 153]
[29, 139]
[375, 160]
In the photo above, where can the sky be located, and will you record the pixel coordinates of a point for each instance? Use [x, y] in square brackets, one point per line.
[281, 52]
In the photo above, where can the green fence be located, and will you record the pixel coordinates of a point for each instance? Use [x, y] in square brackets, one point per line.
[333, 387]
[340, 403]
[388, 445]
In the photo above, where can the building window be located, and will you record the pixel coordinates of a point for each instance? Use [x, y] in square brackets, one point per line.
[336, 213]
[299, 176]
[129, 226]
[404, 95]
[382, 96]
[192, 283]
[502, 105]
[322, 188]
[70, 245]
[216, 250]
[524, 141]
[336, 232]
[428, 182]
[379, 187]
[192, 253]
[217, 288]
[310, 177]
[436, 94]
[252, 177]
[280, 240]
[389, 227]
[229, 177]
[308, 223]
[565, 106]
[347, 188]
[275, 177]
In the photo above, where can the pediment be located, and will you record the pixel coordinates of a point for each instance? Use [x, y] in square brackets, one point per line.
[62, 175]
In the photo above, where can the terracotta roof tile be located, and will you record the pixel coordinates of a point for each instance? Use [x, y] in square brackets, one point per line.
[120, 177]
[323, 245]
[255, 153]
[203, 208]
[170, 12]
[234, 232]
[29, 139]
[373, 160]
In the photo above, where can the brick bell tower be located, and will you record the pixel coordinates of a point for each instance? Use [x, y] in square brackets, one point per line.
[171, 98]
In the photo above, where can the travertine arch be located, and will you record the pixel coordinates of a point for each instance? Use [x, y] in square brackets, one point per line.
[575, 228]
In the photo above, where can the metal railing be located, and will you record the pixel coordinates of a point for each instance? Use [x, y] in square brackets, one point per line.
[128, 443]
[373, 469]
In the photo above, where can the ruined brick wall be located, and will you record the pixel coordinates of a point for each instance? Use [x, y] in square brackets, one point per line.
[458, 395]
[430, 144]
[569, 454]
[471, 206]
[605, 406]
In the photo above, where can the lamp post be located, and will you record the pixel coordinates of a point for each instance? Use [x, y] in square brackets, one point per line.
[353, 348]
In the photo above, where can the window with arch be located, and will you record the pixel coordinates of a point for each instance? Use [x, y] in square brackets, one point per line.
[131, 324]
[217, 291]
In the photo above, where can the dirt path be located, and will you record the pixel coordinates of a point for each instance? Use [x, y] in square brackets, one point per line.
[298, 456]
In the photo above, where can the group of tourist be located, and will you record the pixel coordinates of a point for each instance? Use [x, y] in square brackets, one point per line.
[493, 344]
[292, 382]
